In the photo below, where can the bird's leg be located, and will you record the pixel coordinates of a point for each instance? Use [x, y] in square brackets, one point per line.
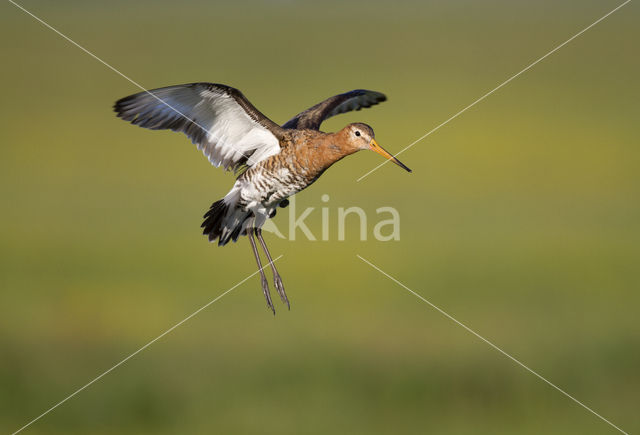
[277, 281]
[263, 279]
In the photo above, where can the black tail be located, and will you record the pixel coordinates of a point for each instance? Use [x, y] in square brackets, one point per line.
[215, 221]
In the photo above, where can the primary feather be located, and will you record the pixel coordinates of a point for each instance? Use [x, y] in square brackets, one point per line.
[341, 103]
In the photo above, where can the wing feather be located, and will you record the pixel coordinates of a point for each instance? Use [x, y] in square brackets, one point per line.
[218, 119]
[352, 100]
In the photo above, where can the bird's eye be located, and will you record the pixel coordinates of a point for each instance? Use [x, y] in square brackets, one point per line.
[357, 133]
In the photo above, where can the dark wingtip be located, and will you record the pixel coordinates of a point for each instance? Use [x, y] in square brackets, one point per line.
[119, 107]
[379, 96]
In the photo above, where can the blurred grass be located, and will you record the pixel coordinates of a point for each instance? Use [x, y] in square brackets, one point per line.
[521, 219]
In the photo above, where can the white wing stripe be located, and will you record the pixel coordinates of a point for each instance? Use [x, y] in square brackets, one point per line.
[209, 116]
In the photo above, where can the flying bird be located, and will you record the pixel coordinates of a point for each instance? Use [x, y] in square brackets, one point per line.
[274, 162]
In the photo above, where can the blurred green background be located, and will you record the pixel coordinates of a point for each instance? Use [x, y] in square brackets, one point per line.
[521, 219]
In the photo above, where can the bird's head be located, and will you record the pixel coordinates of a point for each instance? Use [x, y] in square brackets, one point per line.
[360, 136]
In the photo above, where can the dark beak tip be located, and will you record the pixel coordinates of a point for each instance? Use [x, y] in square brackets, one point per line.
[403, 166]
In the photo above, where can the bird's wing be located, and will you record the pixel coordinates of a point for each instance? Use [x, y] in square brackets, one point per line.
[228, 129]
[352, 100]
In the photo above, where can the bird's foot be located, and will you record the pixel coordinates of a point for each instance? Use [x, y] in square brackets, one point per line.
[267, 294]
[277, 281]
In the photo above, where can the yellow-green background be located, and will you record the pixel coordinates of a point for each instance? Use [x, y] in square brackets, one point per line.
[521, 219]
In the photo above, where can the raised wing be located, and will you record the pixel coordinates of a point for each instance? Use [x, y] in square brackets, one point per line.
[352, 100]
[228, 129]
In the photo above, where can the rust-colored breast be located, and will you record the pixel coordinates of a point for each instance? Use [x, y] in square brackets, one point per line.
[305, 155]
[312, 151]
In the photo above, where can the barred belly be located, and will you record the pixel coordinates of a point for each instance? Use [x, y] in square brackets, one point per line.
[262, 189]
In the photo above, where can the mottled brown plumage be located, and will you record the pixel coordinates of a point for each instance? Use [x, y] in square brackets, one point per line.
[278, 162]
[311, 152]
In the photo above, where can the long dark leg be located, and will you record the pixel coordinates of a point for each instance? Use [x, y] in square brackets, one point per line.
[277, 281]
[263, 279]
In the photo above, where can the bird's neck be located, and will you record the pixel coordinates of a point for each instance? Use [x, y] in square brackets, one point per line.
[332, 149]
[316, 151]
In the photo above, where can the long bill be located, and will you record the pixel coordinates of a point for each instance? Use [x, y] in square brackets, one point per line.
[373, 145]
